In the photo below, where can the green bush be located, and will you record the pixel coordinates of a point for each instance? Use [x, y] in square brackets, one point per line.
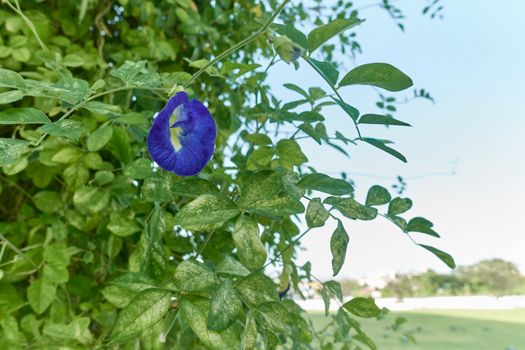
[99, 247]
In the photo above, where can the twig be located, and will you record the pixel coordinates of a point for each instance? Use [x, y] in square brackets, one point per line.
[237, 46]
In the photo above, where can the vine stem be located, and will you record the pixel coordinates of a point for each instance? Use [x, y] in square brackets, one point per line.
[407, 233]
[16, 250]
[239, 45]
[334, 89]
[281, 253]
[28, 22]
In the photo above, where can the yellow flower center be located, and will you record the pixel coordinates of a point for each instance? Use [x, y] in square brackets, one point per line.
[174, 137]
[175, 132]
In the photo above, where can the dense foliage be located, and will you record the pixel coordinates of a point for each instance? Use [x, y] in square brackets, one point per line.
[100, 246]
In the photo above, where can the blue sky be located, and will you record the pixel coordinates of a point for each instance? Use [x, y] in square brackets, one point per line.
[473, 63]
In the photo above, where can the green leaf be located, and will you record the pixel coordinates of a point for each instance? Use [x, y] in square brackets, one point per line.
[260, 158]
[349, 109]
[293, 34]
[256, 289]
[365, 339]
[118, 296]
[259, 139]
[10, 299]
[230, 266]
[73, 60]
[325, 32]
[271, 341]
[211, 70]
[290, 153]
[10, 79]
[11, 96]
[195, 311]
[11, 150]
[335, 289]
[76, 175]
[58, 253]
[21, 54]
[445, 257]
[297, 89]
[277, 207]
[224, 308]
[140, 169]
[363, 307]
[67, 155]
[377, 195]
[399, 206]
[380, 119]
[136, 74]
[72, 129]
[134, 281]
[41, 294]
[69, 89]
[382, 75]
[119, 145]
[99, 84]
[48, 202]
[352, 209]
[274, 317]
[343, 321]
[331, 289]
[382, 146]
[122, 225]
[157, 188]
[99, 138]
[310, 131]
[419, 224]
[325, 295]
[237, 69]
[90, 200]
[193, 276]
[250, 249]
[144, 311]
[249, 334]
[194, 187]
[328, 70]
[16, 167]
[207, 209]
[24, 115]
[309, 117]
[338, 244]
[55, 273]
[316, 214]
[324, 183]
[102, 108]
[259, 186]
[93, 160]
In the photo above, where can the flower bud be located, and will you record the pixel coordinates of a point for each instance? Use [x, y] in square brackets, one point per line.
[287, 49]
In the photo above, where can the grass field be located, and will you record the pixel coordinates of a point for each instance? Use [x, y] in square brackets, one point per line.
[449, 330]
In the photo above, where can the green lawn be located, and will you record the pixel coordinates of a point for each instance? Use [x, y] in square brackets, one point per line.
[449, 330]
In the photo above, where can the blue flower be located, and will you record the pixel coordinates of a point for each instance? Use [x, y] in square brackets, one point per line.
[182, 137]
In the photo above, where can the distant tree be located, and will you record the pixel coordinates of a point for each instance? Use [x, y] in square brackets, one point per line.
[495, 276]
[350, 287]
[400, 287]
[433, 283]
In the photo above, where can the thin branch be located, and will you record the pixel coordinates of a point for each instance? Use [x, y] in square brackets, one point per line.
[332, 86]
[16, 250]
[237, 46]
[28, 22]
